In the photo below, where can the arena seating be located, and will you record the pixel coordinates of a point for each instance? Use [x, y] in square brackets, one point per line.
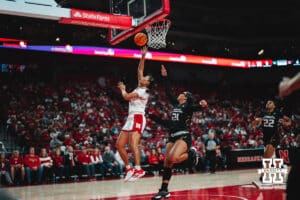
[87, 113]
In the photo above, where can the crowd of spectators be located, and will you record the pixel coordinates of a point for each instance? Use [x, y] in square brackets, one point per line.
[74, 125]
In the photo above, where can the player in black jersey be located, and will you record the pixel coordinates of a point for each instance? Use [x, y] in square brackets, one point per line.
[286, 87]
[177, 149]
[269, 121]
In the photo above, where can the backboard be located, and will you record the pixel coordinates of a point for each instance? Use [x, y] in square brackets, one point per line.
[143, 12]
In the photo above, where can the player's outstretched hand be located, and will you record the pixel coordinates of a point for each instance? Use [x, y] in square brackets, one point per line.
[144, 50]
[284, 87]
[163, 71]
[121, 86]
[203, 103]
[289, 85]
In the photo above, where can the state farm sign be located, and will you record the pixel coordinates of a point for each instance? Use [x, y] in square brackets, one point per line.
[89, 15]
[98, 19]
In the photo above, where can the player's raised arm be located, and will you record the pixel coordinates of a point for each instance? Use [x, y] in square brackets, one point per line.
[127, 96]
[198, 107]
[160, 121]
[167, 84]
[140, 71]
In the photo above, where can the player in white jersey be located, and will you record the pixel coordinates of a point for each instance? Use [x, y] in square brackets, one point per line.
[136, 121]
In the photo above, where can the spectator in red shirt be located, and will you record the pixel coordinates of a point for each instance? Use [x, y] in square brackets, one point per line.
[46, 163]
[58, 164]
[153, 161]
[33, 166]
[4, 169]
[16, 166]
[84, 160]
[68, 141]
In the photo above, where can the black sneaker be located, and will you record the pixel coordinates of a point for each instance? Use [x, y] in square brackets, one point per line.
[161, 194]
[193, 156]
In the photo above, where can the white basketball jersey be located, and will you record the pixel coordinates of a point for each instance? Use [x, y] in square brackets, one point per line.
[139, 104]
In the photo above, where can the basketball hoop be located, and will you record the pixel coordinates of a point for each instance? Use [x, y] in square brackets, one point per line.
[157, 33]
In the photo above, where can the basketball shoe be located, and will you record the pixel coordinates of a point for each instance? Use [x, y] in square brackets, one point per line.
[193, 156]
[129, 173]
[161, 194]
[137, 174]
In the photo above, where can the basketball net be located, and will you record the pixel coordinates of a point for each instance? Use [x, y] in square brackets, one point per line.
[157, 33]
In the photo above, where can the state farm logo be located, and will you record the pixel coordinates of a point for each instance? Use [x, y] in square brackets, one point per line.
[88, 15]
[273, 171]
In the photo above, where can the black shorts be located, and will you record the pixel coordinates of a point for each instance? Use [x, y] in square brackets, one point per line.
[187, 138]
[273, 139]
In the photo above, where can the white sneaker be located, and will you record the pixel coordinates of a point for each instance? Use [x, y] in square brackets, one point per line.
[137, 174]
[129, 173]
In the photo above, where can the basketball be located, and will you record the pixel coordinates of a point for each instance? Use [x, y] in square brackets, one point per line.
[140, 39]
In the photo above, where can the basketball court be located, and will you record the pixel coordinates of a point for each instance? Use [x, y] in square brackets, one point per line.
[228, 185]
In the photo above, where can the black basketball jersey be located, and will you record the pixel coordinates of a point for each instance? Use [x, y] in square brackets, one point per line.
[270, 121]
[181, 114]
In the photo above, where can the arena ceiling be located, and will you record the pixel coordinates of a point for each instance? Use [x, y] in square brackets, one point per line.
[229, 28]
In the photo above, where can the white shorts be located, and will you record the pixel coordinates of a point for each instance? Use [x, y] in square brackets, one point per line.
[135, 122]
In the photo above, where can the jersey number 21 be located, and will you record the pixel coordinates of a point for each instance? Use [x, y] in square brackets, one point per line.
[175, 116]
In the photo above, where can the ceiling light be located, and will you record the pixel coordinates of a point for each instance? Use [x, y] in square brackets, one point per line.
[22, 44]
[261, 52]
[69, 48]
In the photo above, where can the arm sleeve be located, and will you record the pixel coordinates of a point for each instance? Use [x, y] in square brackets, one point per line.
[169, 93]
[196, 107]
[158, 120]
